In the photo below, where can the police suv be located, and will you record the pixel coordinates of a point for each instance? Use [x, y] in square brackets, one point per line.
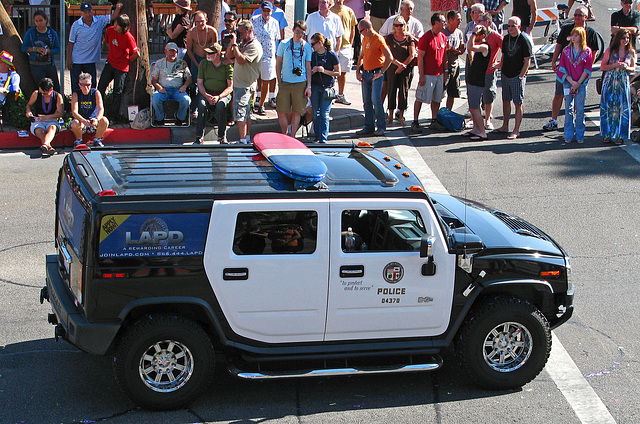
[171, 260]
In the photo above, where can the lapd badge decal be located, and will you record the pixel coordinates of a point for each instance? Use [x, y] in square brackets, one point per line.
[393, 272]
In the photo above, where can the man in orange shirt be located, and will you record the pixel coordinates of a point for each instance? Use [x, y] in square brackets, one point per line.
[371, 68]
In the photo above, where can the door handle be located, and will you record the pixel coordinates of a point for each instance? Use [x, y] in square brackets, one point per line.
[231, 274]
[351, 271]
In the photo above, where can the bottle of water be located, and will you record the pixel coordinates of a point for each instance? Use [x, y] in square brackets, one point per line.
[350, 240]
[364, 247]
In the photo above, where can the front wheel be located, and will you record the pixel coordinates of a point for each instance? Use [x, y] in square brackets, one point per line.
[163, 361]
[505, 343]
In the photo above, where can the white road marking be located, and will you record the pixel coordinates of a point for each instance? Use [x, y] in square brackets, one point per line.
[564, 372]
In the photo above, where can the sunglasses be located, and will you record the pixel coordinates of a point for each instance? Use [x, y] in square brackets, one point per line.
[579, 14]
[313, 43]
[398, 25]
[229, 20]
[513, 26]
[299, 32]
[84, 85]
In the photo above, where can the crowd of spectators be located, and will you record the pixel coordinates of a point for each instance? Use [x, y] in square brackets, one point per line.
[248, 65]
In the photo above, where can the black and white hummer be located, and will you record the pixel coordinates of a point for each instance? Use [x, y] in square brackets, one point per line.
[171, 259]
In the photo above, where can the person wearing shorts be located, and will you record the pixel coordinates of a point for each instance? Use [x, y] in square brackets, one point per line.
[44, 108]
[455, 47]
[516, 58]
[432, 63]
[345, 54]
[293, 69]
[267, 32]
[494, 39]
[87, 110]
[481, 50]
[246, 71]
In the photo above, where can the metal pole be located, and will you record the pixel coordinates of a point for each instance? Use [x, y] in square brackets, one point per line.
[63, 45]
[300, 10]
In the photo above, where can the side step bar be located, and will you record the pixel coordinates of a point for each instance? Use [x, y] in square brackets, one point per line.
[331, 372]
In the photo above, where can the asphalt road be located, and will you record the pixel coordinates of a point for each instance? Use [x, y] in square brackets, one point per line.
[586, 196]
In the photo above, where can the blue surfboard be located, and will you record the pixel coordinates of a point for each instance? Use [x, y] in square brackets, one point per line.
[290, 156]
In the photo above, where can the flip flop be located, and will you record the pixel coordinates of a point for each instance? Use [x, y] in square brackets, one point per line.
[499, 131]
[469, 134]
[512, 136]
[479, 138]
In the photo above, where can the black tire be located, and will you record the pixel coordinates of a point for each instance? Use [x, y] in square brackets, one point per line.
[504, 343]
[159, 348]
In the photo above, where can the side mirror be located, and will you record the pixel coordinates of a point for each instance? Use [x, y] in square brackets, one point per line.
[426, 246]
[465, 244]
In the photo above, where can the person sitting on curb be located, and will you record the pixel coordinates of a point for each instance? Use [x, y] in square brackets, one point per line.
[44, 109]
[9, 78]
[87, 110]
[171, 78]
[215, 85]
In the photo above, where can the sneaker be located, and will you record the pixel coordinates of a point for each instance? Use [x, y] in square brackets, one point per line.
[364, 132]
[223, 140]
[256, 103]
[158, 123]
[552, 125]
[261, 110]
[415, 127]
[77, 143]
[97, 142]
[198, 142]
[396, 115]
[379, 132]
[180, 122]
[342, 99]
[272, 102]
[489, 126]
[194, 114]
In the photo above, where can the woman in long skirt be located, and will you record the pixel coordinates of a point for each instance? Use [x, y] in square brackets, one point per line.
[615, 107]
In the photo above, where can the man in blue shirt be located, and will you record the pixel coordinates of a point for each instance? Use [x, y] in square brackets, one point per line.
[85, 38]
[293, 69]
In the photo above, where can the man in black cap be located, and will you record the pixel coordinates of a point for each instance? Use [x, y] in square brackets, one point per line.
[215, 85]
[85, 38]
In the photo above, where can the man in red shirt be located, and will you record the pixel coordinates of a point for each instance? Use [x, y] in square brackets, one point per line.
[123, 50]
[432, 63]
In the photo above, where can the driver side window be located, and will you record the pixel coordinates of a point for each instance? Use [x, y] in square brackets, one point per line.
[390, 230]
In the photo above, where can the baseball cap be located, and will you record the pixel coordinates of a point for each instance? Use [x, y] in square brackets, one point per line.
[85, 6]
[267, 5]
[213, 48]
[172, 46]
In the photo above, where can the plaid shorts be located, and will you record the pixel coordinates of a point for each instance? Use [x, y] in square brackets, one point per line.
[242, 103]
[513, 89]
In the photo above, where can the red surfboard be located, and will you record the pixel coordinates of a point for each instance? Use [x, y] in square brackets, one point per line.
[290, 156]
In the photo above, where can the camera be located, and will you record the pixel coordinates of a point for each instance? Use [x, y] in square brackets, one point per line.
[226, 36]
[297, 71]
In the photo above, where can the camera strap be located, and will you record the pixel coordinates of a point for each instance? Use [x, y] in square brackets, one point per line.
[293, 54]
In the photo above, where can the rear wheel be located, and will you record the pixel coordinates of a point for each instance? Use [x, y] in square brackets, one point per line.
[505, 343]
[162, 361]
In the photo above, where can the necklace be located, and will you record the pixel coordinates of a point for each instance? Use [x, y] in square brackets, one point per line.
[47, 108]
[206, 36]
[515, 44]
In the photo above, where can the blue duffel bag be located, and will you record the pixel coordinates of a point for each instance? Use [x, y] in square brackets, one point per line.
[450, 120]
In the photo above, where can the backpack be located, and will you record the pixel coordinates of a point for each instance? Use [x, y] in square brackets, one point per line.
[450, 120]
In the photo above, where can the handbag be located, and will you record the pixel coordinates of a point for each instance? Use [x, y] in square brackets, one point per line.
[450, 120]
[330, 93]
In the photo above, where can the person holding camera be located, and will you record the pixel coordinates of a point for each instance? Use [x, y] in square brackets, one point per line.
[293, 69]
[230, 23]
[325, 69]
[44, 109]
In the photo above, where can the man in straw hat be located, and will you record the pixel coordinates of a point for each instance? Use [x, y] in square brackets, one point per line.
[215, 86]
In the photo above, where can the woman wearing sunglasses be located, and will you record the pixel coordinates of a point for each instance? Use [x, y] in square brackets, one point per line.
[403, 48]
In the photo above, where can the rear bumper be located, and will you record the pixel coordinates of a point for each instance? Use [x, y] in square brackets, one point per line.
[92, 338]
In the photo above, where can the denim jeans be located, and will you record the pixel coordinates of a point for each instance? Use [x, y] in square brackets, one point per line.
[109, 73]
[372, 99]
[321, 110]
[173, 93]
[77, 69]
[574, 113]
[47, 71]
[220, 110]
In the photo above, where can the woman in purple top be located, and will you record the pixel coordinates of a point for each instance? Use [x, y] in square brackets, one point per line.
[573, 73]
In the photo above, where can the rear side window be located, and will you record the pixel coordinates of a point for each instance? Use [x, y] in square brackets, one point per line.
[275, 232]
[71, 215]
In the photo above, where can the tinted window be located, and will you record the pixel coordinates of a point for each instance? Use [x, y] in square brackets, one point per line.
[275, 232]
[381, 230]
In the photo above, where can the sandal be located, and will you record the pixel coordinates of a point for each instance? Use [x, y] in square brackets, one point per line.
[389, 120]
[479, 138]
[402, 121]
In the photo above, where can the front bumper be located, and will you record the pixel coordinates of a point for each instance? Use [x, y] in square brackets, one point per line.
[90, 337]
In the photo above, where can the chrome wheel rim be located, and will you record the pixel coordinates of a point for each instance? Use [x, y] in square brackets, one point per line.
[507, 347]
[166, 366]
